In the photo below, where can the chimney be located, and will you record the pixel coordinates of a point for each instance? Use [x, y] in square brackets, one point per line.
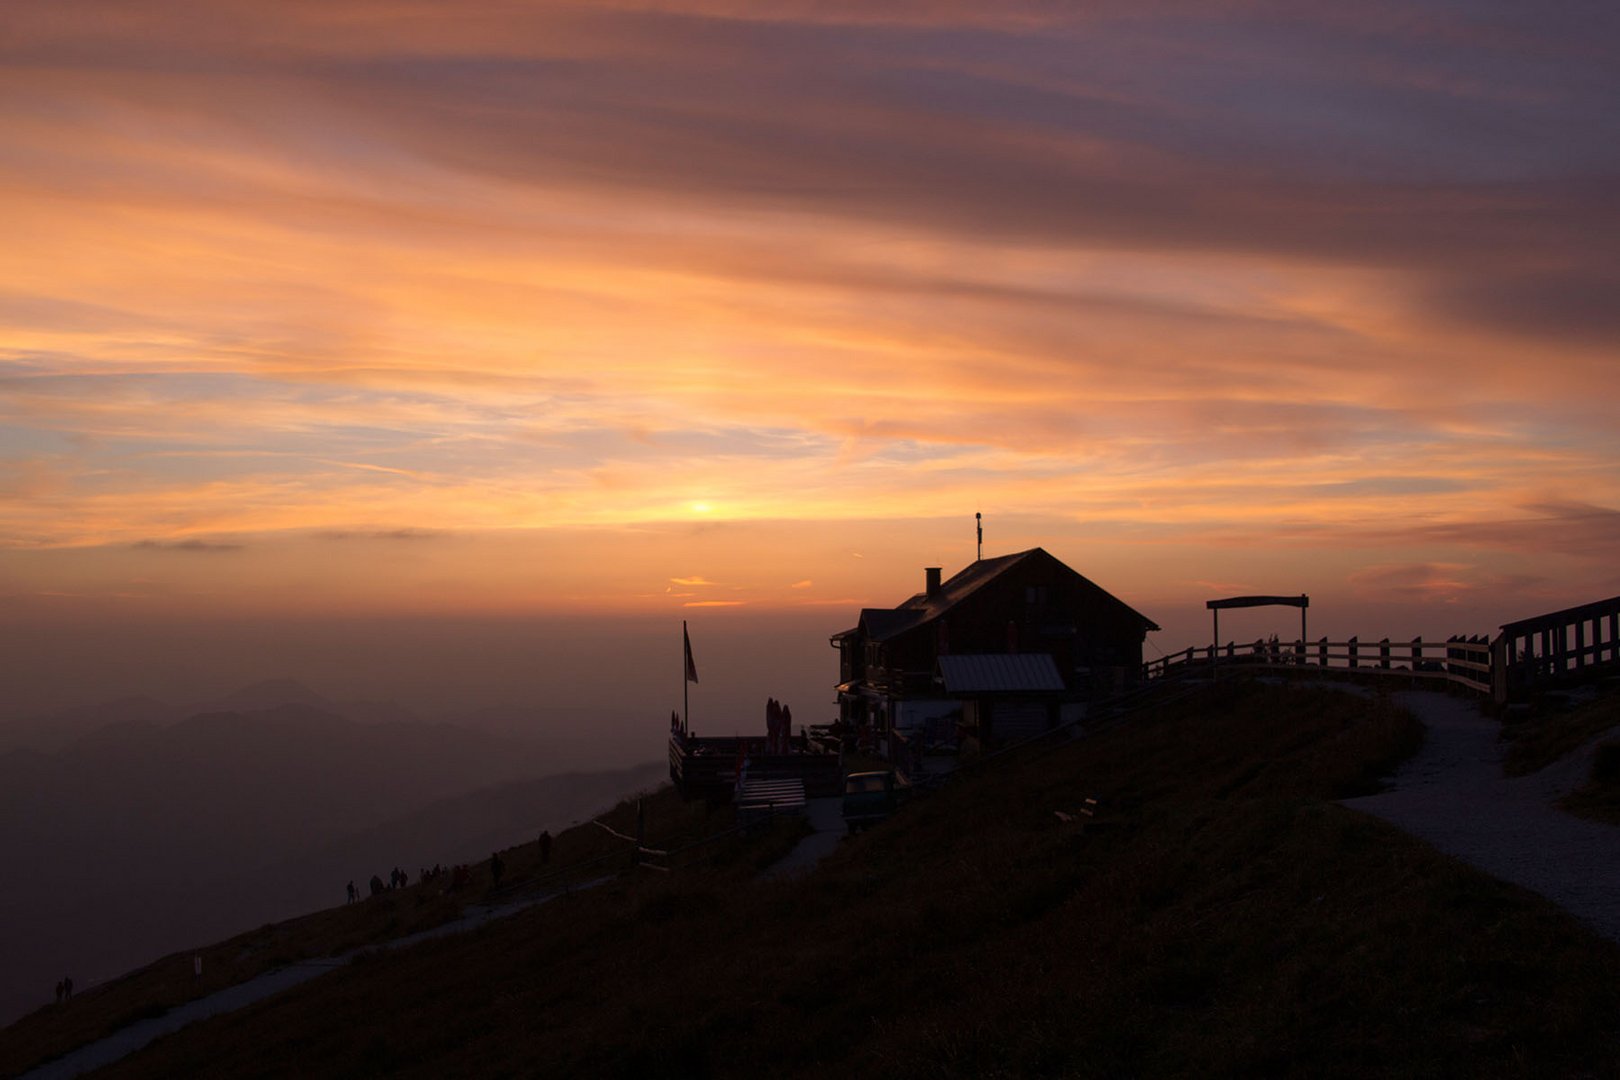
[932, 573]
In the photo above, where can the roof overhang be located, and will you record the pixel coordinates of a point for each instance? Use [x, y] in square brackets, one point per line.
[1300, 601]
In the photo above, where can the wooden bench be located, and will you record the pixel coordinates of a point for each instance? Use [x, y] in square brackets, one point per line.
[757, 799]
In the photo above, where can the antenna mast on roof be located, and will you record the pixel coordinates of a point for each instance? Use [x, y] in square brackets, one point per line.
[978, 525]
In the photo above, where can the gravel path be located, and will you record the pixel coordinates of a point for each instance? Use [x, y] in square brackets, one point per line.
[826, 816]
[1453, 795]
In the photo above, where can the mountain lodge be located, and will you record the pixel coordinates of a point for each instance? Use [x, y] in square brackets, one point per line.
[1007, 648]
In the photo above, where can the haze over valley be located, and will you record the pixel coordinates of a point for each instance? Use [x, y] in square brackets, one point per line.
[141, 828]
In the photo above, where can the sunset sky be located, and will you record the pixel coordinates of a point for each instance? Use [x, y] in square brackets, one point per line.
[361, 308]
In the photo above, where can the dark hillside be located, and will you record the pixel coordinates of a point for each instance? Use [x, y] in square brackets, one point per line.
[142, 838]
[1224, 917]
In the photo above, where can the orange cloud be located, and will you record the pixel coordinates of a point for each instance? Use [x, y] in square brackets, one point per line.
[496, 273]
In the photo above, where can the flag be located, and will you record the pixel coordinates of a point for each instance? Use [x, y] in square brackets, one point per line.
[691, 668]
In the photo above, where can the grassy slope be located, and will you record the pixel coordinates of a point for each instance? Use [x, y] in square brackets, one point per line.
[1551, 732]
[1599, 797]
[159, 986]
[1231, 921]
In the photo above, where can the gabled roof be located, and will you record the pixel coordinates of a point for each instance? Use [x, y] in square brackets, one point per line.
[882, 624]
[999, 673]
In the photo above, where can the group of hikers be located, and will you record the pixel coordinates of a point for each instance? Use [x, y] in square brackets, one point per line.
[460, 877]
[64, 990]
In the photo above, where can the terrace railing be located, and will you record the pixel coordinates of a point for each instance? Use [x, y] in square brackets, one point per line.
[1464, 661]
[1560, 647]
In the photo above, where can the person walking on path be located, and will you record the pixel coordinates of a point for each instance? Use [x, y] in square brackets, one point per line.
[545, 848]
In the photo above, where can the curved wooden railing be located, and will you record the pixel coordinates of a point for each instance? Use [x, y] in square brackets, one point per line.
[1558, 648]
[1461, 660]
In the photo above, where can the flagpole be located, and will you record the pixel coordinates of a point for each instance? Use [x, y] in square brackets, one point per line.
[686, 719]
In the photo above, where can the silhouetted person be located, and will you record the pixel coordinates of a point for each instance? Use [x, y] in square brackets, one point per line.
[786, 737]
[354, 893]
[376, 885]
[496, 867]
[545, 847]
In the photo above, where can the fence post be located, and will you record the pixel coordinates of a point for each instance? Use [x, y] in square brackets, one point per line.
[1321, 652]
[1383, 654]
[1417, 655]
[1501, 648]
[1355, 651]
[1299, 651]
[1580, 643]
[641, 834]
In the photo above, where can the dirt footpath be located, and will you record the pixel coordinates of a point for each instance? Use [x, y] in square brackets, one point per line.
[1453, 795]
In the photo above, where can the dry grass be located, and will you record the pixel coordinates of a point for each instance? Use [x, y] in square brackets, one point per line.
[1230, 920]
[1599, 797]
[1549, 732]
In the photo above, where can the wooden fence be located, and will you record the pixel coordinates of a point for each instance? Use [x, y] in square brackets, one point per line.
[1558, 648]
[1464, 661]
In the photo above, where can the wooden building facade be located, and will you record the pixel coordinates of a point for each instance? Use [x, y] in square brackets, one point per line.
[1004, 611]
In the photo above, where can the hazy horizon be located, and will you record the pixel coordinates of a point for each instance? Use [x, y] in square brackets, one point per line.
[624, 671]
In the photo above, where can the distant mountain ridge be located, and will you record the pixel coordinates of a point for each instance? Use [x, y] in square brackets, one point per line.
[52, 732]
[57, 731]
[143, 827]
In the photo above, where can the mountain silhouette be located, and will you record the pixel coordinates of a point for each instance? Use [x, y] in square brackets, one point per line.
[142, 835]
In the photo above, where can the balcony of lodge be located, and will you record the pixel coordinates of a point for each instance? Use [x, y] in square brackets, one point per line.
[710, 766]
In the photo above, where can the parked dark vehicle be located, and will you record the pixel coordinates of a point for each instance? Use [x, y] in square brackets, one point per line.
[869, 797]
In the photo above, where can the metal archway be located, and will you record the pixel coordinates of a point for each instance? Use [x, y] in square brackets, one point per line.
[1216, 606]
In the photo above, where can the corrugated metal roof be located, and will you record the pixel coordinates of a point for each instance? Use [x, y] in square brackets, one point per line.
[999, 673]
